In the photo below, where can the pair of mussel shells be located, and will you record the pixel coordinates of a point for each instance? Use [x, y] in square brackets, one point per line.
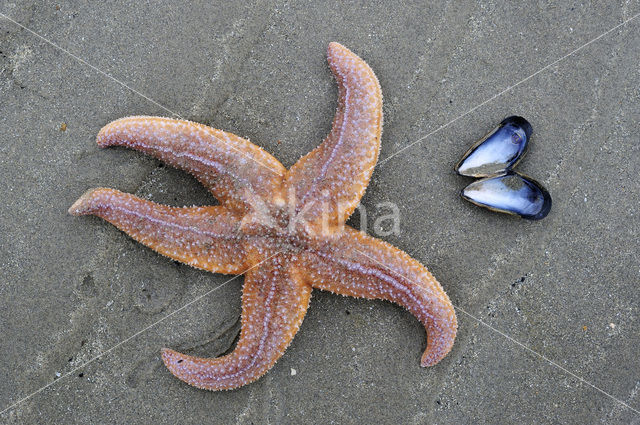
[502, 189]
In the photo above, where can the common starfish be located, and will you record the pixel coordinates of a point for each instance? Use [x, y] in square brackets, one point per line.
[284, 229]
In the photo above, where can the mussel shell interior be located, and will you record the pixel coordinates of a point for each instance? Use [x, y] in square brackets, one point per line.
[510, 193]
[498, 151]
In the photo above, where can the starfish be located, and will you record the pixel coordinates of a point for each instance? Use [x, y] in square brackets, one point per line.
[283, 229]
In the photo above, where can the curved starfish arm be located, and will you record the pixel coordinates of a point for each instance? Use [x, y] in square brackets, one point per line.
[203, 237]
[358, 265]
[330, 180]
[274, 302]
[233, 169]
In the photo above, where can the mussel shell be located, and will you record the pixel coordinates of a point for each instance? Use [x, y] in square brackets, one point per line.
[498, 151]
[510, 193]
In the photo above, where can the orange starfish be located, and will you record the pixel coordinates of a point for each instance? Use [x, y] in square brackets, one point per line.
[284, 229]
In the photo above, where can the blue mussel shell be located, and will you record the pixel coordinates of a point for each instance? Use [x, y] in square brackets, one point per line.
[510, 193]
[498, 151]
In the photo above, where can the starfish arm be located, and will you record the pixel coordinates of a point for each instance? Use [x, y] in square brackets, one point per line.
[332, 178]
[233, 169]
[274, 302]
[358, 265]
[203, 237]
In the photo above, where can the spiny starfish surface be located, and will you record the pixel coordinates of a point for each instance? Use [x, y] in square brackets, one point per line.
[283, 229]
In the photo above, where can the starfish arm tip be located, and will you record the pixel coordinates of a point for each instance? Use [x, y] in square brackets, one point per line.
[106, 142]
[171, 358]
[116, 132]
[84, 204]
[334, 47]
[102, 140]
[429, 359]
[166, 353]
[439, 343]
[172, 361]
[105, 137]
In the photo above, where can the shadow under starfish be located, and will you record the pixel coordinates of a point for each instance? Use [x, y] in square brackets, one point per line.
[283, 229]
